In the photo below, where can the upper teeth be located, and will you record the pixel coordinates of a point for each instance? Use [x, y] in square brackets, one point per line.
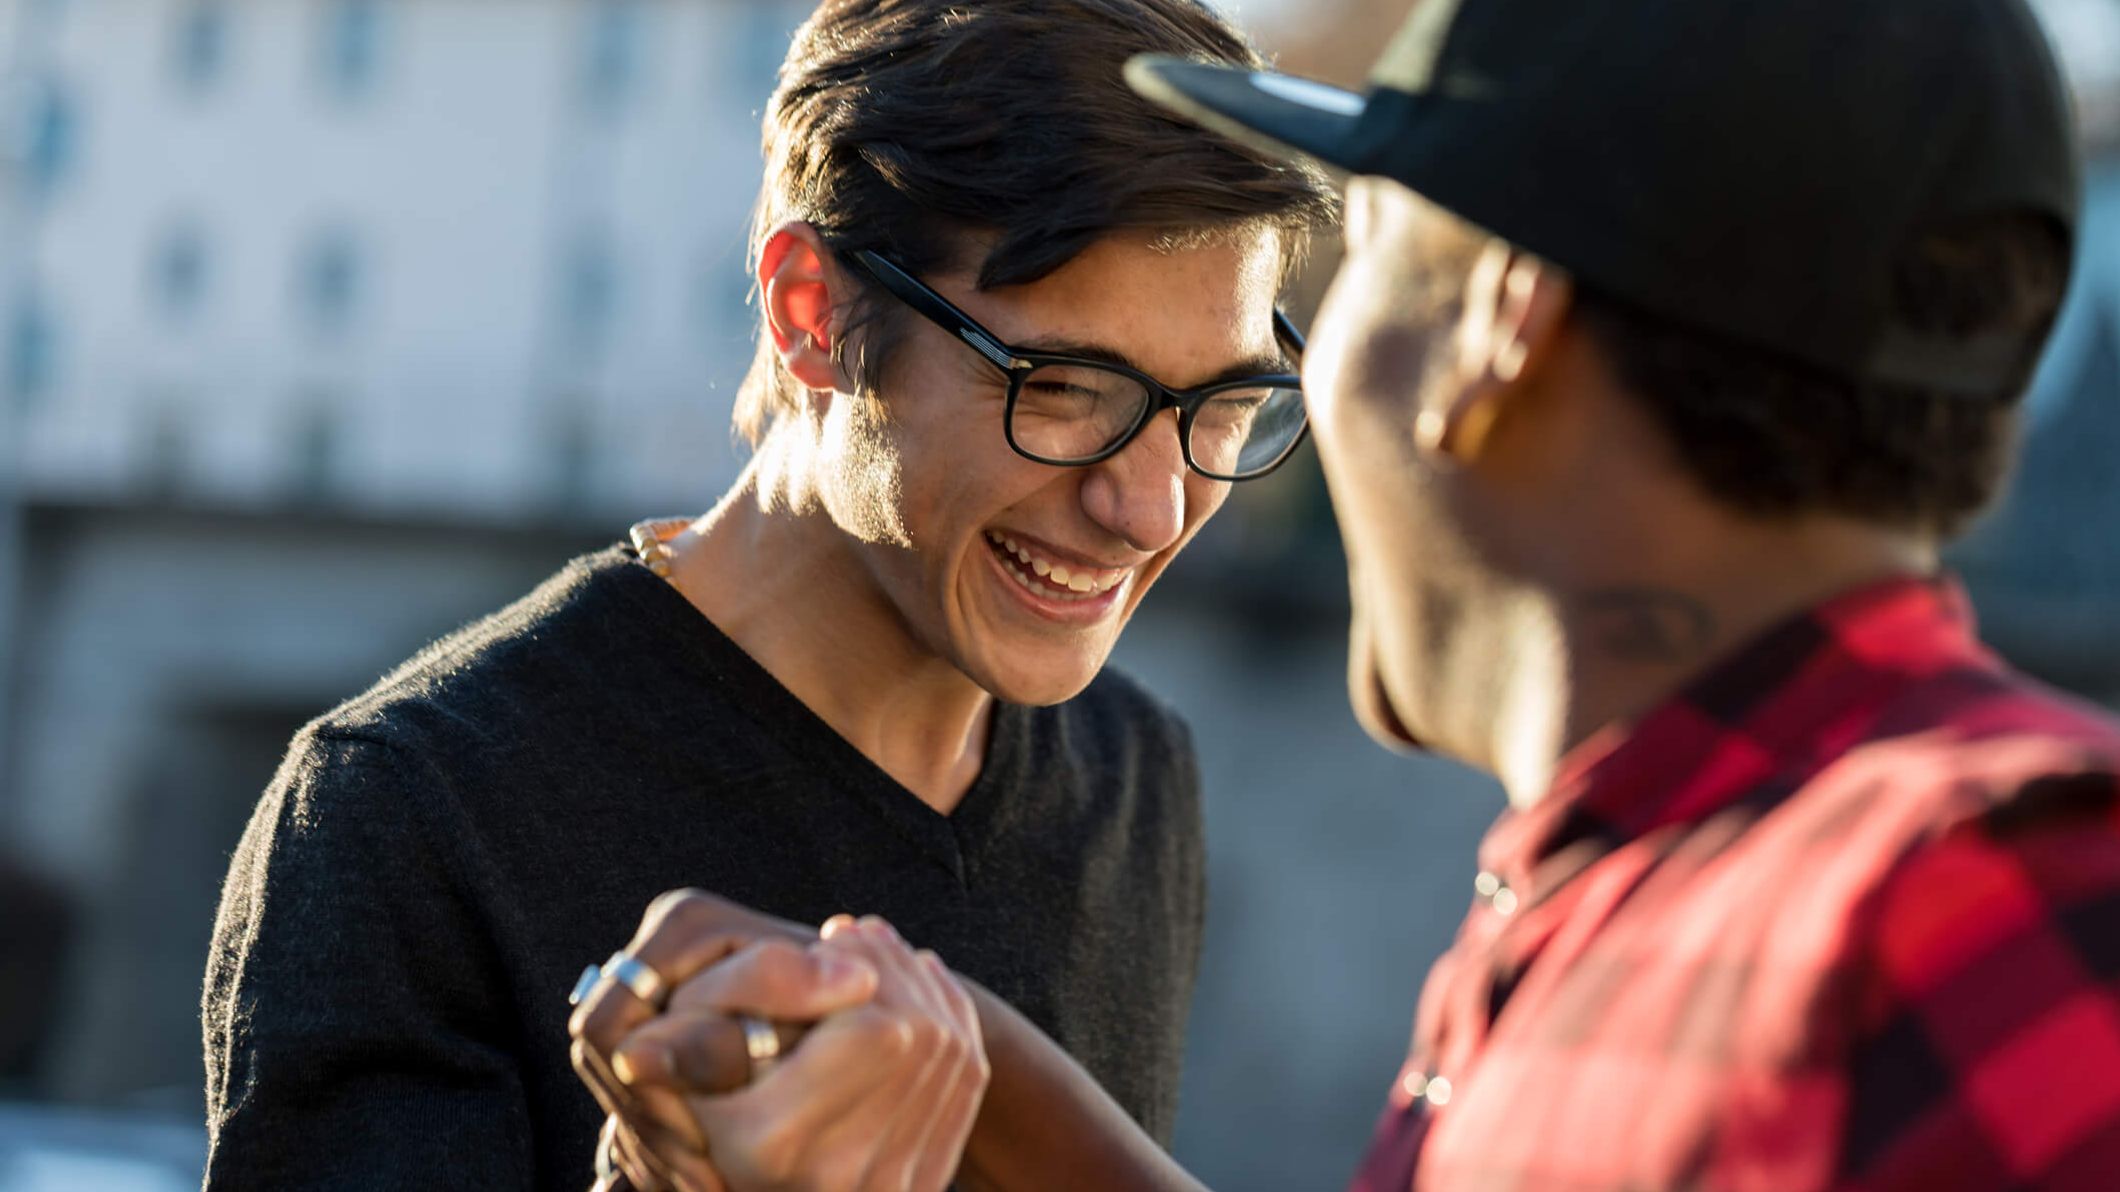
[1079, 581]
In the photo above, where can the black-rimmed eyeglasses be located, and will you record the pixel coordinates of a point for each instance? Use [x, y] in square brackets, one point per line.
[1072, 412]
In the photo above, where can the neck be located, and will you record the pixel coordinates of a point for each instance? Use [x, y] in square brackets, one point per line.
[1584, 655]
[774, 572]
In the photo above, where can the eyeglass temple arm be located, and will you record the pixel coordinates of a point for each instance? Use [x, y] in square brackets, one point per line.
[1285, 327]
[941, 311]
[937, 309]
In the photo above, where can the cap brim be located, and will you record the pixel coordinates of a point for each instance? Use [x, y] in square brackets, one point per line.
[1277, 113]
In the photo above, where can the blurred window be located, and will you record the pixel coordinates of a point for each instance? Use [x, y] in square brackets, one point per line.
[572, 447]
[352, 45]
[201, 44]
[589, 287]
[178, 273]
[315, 446]
[610, 72]
[47, 135]
[329, 280]
[164, 440]
[31, 353]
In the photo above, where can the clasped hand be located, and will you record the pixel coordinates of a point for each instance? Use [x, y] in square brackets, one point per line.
[880, 1093]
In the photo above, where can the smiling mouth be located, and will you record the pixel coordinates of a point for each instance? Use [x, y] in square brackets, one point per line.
[1050, 579]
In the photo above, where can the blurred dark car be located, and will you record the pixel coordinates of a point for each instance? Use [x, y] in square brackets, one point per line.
[50, 1149]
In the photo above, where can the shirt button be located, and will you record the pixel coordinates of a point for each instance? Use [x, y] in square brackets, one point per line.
[1419, 1086]
[1496, 893]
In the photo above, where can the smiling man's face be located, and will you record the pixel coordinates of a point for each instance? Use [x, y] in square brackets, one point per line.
[1019, 573]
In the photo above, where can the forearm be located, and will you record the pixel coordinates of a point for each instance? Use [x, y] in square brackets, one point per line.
[1046, 1123]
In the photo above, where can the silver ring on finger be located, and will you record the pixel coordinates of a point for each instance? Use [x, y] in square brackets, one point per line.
[762, 1043]
[637, 976]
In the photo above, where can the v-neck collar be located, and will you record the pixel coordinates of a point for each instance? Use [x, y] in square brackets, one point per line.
[780, 713]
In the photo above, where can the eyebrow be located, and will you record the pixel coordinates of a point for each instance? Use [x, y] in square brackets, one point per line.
[1253, 366]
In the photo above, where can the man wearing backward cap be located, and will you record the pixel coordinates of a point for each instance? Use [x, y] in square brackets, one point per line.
[1673, 341]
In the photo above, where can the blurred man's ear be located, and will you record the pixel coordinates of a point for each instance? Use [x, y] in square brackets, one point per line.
[1514, 307]
[796, 278]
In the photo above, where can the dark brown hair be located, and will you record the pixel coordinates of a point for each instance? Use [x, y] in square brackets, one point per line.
[920, 128]
[1772, 436]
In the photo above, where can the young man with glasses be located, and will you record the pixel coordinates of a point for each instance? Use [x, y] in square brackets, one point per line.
[1018, 335]
[1673, 340]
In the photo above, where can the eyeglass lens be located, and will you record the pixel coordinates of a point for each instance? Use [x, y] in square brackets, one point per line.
[1070, 413]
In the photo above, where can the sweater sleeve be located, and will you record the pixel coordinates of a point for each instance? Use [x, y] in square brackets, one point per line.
[354, 1013]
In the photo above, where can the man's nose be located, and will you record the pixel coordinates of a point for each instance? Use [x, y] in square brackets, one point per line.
[1139, 494]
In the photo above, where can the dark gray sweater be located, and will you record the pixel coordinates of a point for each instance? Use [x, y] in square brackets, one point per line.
[437, 859]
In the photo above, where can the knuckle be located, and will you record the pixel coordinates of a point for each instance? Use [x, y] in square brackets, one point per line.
[684, 908]
[595, 1022]
[578, 1054]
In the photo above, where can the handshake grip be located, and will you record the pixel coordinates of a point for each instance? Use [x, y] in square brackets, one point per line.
[712, 1055]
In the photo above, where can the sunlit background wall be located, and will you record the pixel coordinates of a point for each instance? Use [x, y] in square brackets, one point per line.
[327, 325]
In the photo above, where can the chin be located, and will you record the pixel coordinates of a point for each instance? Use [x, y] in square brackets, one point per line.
[1037, 691]
[1022, 677]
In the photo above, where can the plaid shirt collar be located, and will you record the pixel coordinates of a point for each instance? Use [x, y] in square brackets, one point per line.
[1773, 707]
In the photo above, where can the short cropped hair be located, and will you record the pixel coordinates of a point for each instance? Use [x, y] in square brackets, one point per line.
[920, 128]
[1772, 436]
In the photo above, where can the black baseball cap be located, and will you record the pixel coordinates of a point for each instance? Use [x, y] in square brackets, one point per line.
[1750, 168]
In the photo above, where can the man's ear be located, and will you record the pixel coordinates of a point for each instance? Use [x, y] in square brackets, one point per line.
[796, 278]
[1514, 308]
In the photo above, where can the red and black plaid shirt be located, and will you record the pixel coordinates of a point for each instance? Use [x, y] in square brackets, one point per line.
[1843, 915]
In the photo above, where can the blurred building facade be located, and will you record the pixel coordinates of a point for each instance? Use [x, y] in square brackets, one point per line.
[389, 304]
[420, 259]
[327, 325]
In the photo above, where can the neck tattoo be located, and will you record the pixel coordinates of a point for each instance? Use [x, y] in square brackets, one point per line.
[1648, 625]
